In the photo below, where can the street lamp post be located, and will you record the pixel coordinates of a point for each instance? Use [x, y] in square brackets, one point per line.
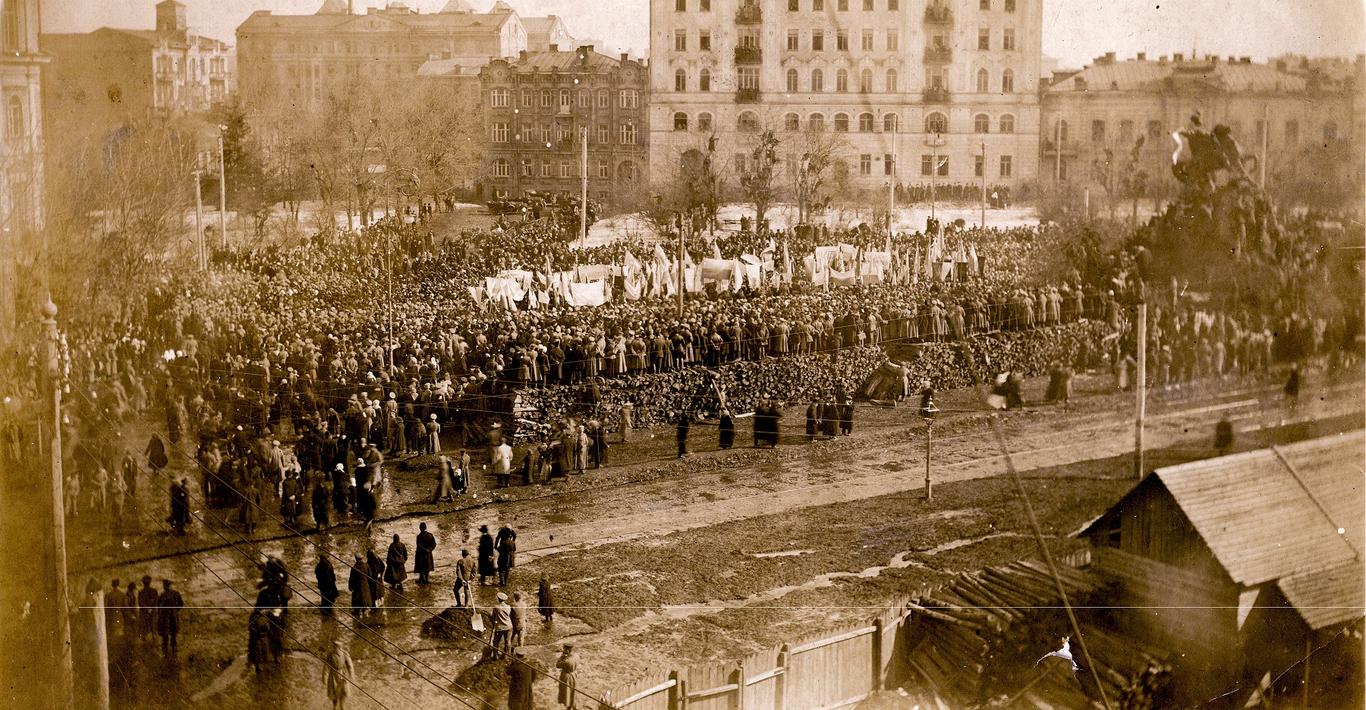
[927, 412]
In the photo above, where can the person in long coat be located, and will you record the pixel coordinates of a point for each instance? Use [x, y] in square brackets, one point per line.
[251, 506]
[568, 665]
[327, 583]
[812, 415]
[426, 559]
[506, 544]
[521, 676]
[340, 672]
[362, 597]
[545, 600]
[322, 494]
[726, 430]
[375, 577]
[487, 567]
[396, 564]
[684, 424]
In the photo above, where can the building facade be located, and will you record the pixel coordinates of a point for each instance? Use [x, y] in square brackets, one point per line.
[100, 79]
[538, 107]
[299, 60]
[21, 176]
[931, 84]
[1294, 122]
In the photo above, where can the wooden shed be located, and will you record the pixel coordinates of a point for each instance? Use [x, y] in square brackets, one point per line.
[1247, 567]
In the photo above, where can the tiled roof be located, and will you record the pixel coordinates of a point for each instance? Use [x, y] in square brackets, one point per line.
[1327, 597]
[455, 66]
[565, 61]
[451, 21]
[1146, 75]
[1262, 522]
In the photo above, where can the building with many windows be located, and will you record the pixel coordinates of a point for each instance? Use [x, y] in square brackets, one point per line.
[98, 80]
[302, 59]
[933, 83]
[537, 110]
[1301, 124]
[21, 147]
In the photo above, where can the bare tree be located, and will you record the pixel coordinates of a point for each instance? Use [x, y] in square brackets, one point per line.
[810, 167]
[756, 175]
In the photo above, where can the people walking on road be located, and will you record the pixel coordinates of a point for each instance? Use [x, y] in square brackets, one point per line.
[506, 544]
[487, 561]
[445, 481]
[519, 614]
[327, 583]
[501, 616]
[568, 665]
[426, 554]
[396, 563]
[545, 601]
[375, 576]
[340, 673]
[359, 586]
[169, 604]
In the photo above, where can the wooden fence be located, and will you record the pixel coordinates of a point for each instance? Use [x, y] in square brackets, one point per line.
[831, 671]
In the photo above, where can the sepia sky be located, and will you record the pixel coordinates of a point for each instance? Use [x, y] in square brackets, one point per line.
[1075, 31]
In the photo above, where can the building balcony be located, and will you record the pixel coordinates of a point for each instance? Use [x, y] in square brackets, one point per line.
[748, 55]
[749, 14]
[938, 55]
[747, 96]
[938, 15]
[936, 95]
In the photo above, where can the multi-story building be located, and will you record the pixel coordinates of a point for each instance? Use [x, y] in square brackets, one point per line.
[21, 147]
[100, 79]
[537, 109]
[1093, 119]
[928, 82]
[302, 59]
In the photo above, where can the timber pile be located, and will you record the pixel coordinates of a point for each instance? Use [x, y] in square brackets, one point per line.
[975, 641]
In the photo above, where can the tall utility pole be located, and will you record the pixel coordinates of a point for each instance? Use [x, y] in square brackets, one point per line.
[929, 437]
[222, 193]
[934, 169]
[891, 179]
[681, 229]
[583, 187]
[1141, 387]
[1057, 146]
[200, 247]
[984, 185]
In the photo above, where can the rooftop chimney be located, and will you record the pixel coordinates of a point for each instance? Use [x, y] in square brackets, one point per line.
[1162, 59]
[625, 56]
[1178, 57]
[1142, 57]
[522, 55]
[554, 47]
[1110, 57]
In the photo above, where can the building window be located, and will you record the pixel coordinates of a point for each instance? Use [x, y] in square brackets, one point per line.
[867, 41]
[841, 81]
[1005, 166]
[818, 5]
[865, 164]
[680, 121]
[604, 134]
[792, 122]
[748, 78]
[545, 99]
[10, 33]
[565, 100]
[500, 133]
[704, 5]
[545, 168]
[865, 81]
[867, 5]
[842, 40]
[680, 40]
[1010, 5]
[499, 98]
[680, 5]
[1008, 39]
[680, 80]
[1292, 132]
[629, 98]
[704, 122]
[984, 39]
[936, 123]
[1330, 131]
[891, 81]
[792, 81]
[979, 165]
[893, 5]
[981, 123]
[1007, 81]
[865, 123]
[926, 165]
[501, 168]
[841, 123]
[1097, 131]
[527, 100]
[1126, 130]
[16, 126]
[983, 81]
[793, 41]
[704, 40]
[604, 99]
[889, 122]
[526, 167]
[628, 134]
[888, 164]
[815, 122]
[793, 5]
[1007, 124]
[626, 171]
[817, 81]
[604, 169]
[842, 5]
[704, 80]
[747, 122]
[817, 40]
[893, 41]
[564, 169]
[984, 5]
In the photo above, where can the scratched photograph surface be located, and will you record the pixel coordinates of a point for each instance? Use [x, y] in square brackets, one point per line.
[682, 354]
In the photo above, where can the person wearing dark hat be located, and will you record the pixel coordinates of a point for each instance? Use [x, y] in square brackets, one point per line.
[169, 604]
[426, 558]
[521, 677]
[327, 583]
[506, 544]
[359, 585]
[487, 565]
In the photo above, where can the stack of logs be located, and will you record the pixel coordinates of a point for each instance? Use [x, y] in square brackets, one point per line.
[974, 643]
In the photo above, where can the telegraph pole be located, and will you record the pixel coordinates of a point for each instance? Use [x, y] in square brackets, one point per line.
[1141, 387]
[222, 193]
[934, 169]
[984, 185]
[927, 412]
[681, 228]
[891, 180]
[583, 187]
[200, 246]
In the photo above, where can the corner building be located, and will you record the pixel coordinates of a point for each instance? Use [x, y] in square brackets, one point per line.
[915, 79]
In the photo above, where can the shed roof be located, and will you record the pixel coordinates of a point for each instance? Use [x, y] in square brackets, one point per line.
[1148, 75]
[1327, 597]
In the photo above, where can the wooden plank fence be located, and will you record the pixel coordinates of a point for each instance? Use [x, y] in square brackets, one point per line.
[832, 671]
